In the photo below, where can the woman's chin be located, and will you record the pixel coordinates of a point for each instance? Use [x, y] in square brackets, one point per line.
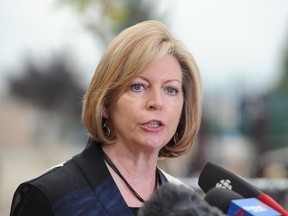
[153, 146]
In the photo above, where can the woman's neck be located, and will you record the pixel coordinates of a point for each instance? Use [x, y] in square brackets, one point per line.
[138, 169]
[135, 164]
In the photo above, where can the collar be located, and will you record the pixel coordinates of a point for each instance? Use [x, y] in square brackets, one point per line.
[92, 165]
[98, 177]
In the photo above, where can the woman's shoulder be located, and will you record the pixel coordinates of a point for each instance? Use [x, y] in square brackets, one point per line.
[29, 200]
[55, 181]
[48, 187]
[66, 174]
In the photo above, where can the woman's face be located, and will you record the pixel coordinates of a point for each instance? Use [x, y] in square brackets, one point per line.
[147, 114]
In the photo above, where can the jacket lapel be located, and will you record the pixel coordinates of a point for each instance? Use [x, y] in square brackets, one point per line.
[97, 175]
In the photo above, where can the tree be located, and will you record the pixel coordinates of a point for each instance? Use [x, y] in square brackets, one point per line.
[53, 86]
[282, 85]
[106, 18]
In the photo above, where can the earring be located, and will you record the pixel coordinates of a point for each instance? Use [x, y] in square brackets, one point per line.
[176, 138]
[106, 129]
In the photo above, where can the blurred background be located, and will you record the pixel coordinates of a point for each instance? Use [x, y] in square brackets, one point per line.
[50, 49]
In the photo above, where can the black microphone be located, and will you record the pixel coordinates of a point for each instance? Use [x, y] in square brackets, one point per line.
[221, 198]
[177, 200]
[234, 204]
[213, 175]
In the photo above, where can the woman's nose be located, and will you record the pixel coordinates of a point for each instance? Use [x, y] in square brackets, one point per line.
[154, 99]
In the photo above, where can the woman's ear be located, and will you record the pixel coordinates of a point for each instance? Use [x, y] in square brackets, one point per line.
[105, 112]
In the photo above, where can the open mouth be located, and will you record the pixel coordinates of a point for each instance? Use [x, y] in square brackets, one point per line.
[154, 124]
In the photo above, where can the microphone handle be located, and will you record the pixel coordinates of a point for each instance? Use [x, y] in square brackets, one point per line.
[272, 203]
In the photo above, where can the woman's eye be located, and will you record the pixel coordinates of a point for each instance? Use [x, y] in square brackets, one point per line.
[137, 87]
[171, 90]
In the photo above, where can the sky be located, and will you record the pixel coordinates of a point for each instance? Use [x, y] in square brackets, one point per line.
[238, 45]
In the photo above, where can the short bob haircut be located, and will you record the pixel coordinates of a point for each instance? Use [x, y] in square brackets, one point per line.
[130, 53]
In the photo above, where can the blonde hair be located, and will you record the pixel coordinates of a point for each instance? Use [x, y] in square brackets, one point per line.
[128, 54]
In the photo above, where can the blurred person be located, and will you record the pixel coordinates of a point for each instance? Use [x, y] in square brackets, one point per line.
[142, 104]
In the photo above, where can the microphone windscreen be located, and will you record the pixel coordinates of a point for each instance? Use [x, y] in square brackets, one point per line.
[213, 175]
[221, 198]
[177, 200]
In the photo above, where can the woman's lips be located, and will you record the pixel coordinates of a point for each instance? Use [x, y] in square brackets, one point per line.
[153, 125]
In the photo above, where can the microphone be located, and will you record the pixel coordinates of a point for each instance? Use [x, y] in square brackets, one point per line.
[177, 200]
[234, 204]
[213, 175]
[221, 198]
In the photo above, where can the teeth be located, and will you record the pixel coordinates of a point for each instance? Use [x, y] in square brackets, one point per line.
[153, 124]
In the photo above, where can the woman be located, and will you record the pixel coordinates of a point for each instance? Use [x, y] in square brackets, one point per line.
[143, 103]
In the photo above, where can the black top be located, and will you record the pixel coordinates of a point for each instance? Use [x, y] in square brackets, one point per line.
[82, 185]
[134, 210]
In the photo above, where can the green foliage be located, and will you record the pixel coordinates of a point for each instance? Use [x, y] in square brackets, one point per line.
[282, 86]
[106, 18]
[80, 5]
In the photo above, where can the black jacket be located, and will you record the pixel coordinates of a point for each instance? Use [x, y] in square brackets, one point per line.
[81, 186]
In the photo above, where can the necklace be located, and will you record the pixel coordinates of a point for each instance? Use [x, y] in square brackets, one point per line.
[115, 169]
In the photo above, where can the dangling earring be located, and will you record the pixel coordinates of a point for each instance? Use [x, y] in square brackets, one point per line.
[106, 129]
[176, 138]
